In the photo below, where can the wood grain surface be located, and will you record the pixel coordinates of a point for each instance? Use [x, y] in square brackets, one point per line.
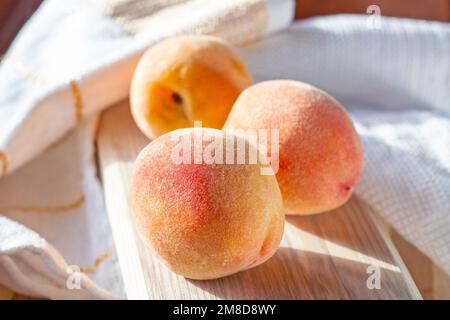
[321, 257]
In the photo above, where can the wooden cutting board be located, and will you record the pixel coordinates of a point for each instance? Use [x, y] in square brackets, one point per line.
[325, 256]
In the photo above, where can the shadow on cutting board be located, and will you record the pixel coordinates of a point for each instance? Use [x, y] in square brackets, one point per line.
[313, 277]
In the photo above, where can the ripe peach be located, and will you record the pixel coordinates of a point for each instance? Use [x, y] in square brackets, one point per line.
[185, 79]
[205, 220]
[320, 153]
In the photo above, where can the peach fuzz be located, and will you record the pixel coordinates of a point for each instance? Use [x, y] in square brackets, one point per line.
[320, 153]
[205, 221]
[185, 79]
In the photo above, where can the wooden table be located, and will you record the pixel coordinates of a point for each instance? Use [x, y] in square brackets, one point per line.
[324, 256]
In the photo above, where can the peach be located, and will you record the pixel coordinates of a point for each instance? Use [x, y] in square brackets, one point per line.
[205, 220]
[185, 79]
[320, 153]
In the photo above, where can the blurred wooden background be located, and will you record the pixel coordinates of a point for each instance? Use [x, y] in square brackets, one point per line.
[13, 14]
[431, 281]
[418, 9]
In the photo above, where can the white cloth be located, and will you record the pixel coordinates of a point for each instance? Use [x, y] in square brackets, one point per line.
[395, 80]
[71, 60]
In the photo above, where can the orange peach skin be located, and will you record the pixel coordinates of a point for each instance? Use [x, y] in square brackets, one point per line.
[185, 79]
[320, 153]
[205, 221]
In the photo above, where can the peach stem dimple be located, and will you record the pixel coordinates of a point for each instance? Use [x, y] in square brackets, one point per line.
[177, 98]
[179, 101]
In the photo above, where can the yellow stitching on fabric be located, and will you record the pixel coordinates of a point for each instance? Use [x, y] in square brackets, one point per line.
[23, 70]
[43, 209]
[109, 11]
[77, 100]
[98, 261]
[61, 140]
[5, 164]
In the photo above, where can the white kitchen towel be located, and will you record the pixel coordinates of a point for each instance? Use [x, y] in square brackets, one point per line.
[57, 196]
[394, 78]
[71, 60]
